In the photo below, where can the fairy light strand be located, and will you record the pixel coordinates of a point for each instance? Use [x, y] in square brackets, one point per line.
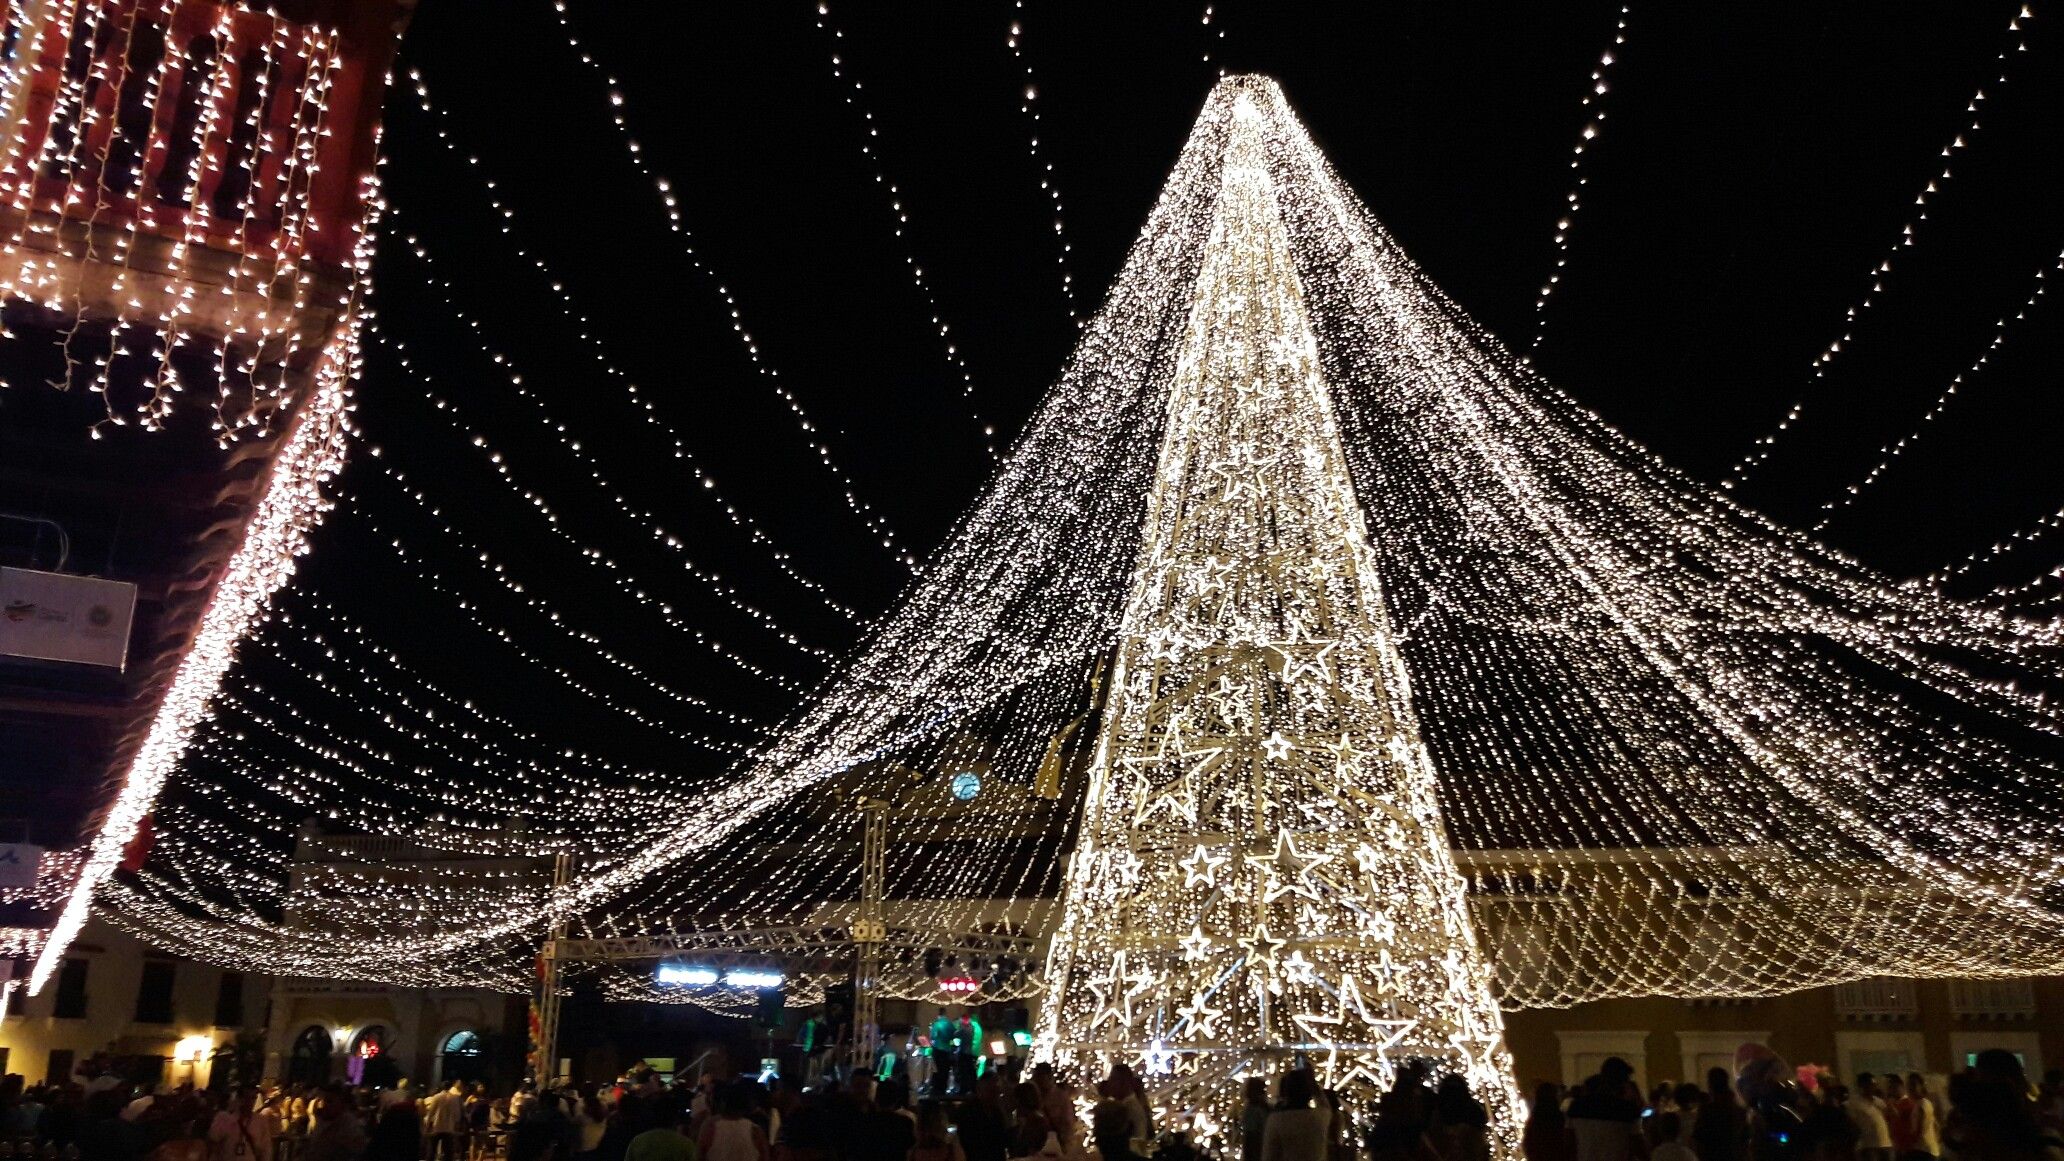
[1881, 274]
[1587, 138]
[871, 131]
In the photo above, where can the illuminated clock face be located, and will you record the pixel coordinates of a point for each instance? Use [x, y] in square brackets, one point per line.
[966, 785]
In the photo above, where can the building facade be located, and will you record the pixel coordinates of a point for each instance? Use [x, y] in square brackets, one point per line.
[1873, 1025]
[120, 1004]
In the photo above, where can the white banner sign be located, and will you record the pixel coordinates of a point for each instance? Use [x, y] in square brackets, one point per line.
[53, 616]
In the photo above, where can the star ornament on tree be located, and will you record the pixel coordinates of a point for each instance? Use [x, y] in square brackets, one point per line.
[1261, 948]
[1201, 1017]
[1288, 869]
[1196, 946]
[1201, 868]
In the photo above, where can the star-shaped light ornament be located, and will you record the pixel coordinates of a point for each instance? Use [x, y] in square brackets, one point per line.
[1201, 868]
[1298, 970]
[1201, 1016]
[1276, 746]
[1287, 868]
[1196, 945]
[1261, 948]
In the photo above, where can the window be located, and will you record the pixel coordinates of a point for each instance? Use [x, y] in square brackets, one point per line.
[154, 992]
[461, 1059]
[70, 1003]
[60, 1070]
[310, 1062]
[229, 1001]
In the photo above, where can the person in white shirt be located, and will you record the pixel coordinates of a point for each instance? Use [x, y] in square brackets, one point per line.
[444, 1120]
[1867, 1113]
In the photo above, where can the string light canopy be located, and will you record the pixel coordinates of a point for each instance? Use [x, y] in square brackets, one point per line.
[1606, 732]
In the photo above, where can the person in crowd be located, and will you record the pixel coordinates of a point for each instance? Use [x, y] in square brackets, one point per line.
[1110, 1131]
[729, 1132]
[1605, 1115]
[660, 1128]
[1720, 1131]
[397, 1133]
[887, 1132]
[1254, 1115]
[935, 1140]
[1398, 1131]
[336, 1133]
[1992, 1115]
[444, 1121]
[1460, 1127]
[1124, 1086]
[1663, 1131]
[241, 1131]
[1927, 1113]
[590, 1122]
[1547, 1136]
[1832, 1133]
[1029, 1130]
[1297, 1131]
[1866, 1110]
[544, 1131]
[985, 1132]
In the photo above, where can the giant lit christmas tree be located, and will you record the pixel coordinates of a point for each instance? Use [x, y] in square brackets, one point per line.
[1263, 876]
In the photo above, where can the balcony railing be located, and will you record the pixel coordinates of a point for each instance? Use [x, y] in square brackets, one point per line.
[1992, 999]
[1877, 998]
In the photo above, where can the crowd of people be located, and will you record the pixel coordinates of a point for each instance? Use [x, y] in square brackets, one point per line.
[1764, 1111]
[1767, 1111]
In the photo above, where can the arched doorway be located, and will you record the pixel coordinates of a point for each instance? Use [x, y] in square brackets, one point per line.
[309, 1063]
[369, 1062]
[460, 1058]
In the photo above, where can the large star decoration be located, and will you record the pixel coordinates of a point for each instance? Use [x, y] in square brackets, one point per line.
[1201, 868]
[1200, 1015]
[1196, 945]
[1261, 948]
[1114, 996]
[1288, 869]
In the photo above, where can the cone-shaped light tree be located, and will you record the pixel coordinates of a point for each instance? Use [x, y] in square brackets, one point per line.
[1262, 876]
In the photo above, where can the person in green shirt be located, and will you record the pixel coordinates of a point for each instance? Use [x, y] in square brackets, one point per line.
[667, 1140]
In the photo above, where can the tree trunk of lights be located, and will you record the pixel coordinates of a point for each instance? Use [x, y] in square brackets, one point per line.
[1263, 877]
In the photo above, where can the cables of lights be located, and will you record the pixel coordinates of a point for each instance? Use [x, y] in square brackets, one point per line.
[2017, 539]
[1892, 451]
[1881, 274]
[1049, 184]
[585, 328]
[434, 512]
[812, 432]
[839, 70]
[1214, 37]
[1573, 204]
[643, 518]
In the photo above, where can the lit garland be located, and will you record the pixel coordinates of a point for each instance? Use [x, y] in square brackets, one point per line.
[585, 328]
[2016, 42]
[1594, 124]
[291, 505]
[1674, 749]
[1049, 184]
[896, 207]
[1892, 451]
[812, 432]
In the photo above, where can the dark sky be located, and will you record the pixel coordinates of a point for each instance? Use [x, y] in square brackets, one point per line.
[1757, 161]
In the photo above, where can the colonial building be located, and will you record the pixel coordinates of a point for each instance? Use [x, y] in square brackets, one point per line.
[139, 1011]
[375, 1032]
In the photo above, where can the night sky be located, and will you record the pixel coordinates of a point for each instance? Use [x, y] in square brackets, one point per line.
[1757, 161]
